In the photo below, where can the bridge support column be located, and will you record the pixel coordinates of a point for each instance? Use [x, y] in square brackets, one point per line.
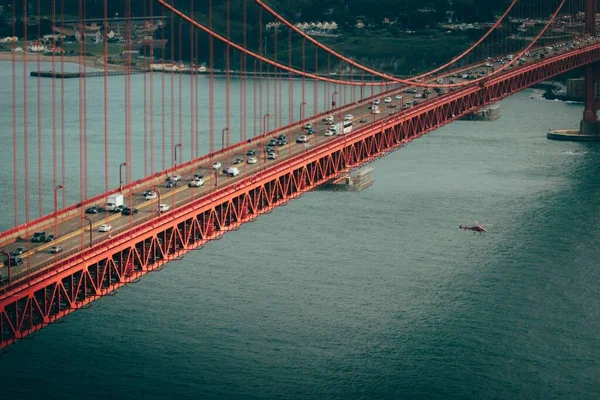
[590, 17]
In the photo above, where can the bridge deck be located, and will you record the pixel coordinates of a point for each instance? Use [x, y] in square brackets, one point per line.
[73, 234]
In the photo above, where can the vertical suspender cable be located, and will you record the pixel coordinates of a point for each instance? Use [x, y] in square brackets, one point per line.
[40, 178]
[227, 79]
[106, 128]
[14, 122]
[211, 83]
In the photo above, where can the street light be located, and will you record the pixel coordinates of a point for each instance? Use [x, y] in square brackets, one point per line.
[333, 99]
[302, 110]
[56, 189]
[158, 192]
[176, 146]
[267, 115]
[223, 137]
[123, 164]
[8, 256]
[90, 223]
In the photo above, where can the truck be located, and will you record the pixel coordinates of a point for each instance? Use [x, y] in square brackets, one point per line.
[114, 201]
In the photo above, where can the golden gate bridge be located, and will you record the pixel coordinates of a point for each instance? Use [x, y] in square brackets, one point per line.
[195, 178]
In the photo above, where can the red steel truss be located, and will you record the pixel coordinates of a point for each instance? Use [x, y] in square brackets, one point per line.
[75, 282]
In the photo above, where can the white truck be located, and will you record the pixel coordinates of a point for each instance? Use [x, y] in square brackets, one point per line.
[233, 171]
[114, 201]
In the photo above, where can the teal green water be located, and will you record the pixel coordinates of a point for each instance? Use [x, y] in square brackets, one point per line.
[371, 295]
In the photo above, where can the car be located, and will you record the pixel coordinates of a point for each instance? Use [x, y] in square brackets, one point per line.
[151, 195]
[362, 121]
[329, 132]
[56, 249]
[376, 101]
[216, 165]
[20, 250]
[38, 237]
[117, 209]
[272, 156]
[387, 100]
[129, 211]
[93, 210]
[329, 123]
[197, 182]
[281, 137]
[302, 139]
[163, 207]
[50, 238]
[3, 280]
[14, 261]
[251, 153]
[252, 160]
[308, 126]
[310, 132]
[238, 161]
[198, 176]
[269, 149]
[398, 97]
[328, 118]
[349, 117]
[272, 142]
[174, 178]
[225, 171]
[392, 106]
[147, 192]
[104, 228]
[282, 142]
[171, 184]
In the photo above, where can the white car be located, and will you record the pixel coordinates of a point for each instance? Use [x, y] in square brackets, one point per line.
[272, 156]
[398, 97]
[174, 178]
[308, 126]
[376, 101]
[328, 118]
[349, 117]
[252, 160]
[104, 228]
[163, 207]
[197, 182]
[329, 132]
[216, 165]
[151, 195]
[387, 100]
[302, 139]
[376, 111]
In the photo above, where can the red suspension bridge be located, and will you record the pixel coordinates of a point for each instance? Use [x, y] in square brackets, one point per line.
[280, 126]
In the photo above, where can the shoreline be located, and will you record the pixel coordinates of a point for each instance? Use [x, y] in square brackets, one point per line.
[85, 61]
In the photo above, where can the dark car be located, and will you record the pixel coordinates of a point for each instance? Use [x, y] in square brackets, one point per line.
[171, 184]
[225, 171]
[362, 121]
[238, 161]
[147, 192]
[129, 211]
[3, 280]
[199, 176]
[20, 250]
[93, 210]
[50, 238]
[281, 137]
[310, 131]
[14, 261]
[272, 142]
[392, 106]
[282, 142]
[251, 153]
[117, 209]
[269, 149]
[38, 237]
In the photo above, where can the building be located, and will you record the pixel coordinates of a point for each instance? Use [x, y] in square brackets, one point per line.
[36, 47]
[9, 39]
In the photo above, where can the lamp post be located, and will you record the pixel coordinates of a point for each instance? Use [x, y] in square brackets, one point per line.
[90, 223]
[158, 192]
[8, 262]
[123, 164]
[333, 99]
[302, 110]
[176, 146]
[223, 137]
[267, 115]
[56, 189]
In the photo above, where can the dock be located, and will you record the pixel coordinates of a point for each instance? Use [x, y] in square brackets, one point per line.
[87, 74]
[351, 182]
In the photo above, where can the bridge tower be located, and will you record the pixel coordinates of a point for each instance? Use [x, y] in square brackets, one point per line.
[589, 128]
[589, 124]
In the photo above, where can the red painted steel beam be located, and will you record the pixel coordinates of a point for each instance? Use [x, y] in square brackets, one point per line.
[75, 282]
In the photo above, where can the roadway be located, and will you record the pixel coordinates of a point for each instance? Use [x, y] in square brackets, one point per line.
[73, 234]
